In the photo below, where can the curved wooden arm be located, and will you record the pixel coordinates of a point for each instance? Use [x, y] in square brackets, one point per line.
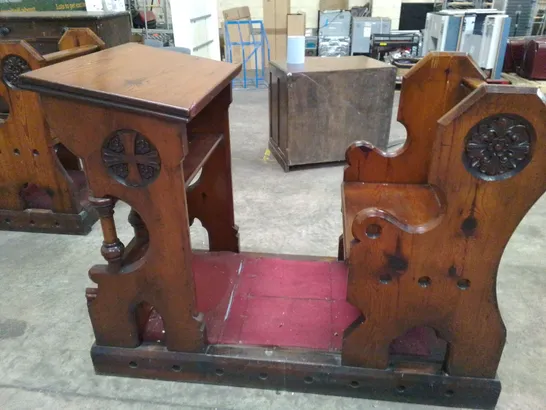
[414, 209]
[75, 42]
[64, 55]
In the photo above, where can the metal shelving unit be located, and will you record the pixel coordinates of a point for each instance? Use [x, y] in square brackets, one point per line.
[162, 32]
[450, 4]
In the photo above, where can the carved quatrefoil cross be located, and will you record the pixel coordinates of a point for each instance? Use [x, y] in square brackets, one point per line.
[499, 147]
[131, 158]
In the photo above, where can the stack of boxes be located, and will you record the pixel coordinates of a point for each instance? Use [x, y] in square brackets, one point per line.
[242, 32]
[275, 12]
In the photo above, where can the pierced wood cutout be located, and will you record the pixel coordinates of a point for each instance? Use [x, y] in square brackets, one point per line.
[12, 68]
[131, 158]
[499, 147]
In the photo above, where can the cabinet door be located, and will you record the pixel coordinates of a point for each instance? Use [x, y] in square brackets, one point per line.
[195, 26]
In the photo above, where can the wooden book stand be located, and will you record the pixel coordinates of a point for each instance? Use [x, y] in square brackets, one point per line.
[422, 234]
[43, 188]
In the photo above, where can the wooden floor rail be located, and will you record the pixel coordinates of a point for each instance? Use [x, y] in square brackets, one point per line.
[43, 186]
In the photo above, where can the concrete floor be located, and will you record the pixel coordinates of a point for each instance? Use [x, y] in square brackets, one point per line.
[45, 334]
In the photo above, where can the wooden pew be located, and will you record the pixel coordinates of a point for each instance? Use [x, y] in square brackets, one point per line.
[425, 227]
[43, 187]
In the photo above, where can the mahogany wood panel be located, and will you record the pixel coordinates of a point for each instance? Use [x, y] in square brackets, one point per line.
[104, 77]
[95, 108]
[487, 166]
[295, 370]
[413, 208]
[429, 90]
[162, 277]
[210, 198]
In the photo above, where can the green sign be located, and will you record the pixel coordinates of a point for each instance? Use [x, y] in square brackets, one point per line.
[41, 5]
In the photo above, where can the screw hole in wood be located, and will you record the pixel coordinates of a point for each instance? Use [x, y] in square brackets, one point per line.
[7, 221]
[263, 376]
[385, 279]
[373, 231]
[35, 152]
[16, 151]
[176, 368]
[308, 379]
[424, 282]
[463, 284]
[449, 393]
[354, 384]
[32, 223]
[400, 389]
[219, 372]
[133, 365]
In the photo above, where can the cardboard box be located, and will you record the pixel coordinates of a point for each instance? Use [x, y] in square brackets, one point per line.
[280, 52]
[295, 24]
[333, 5]
[282, 9]
[269, 14]
[241, 33]
[275, 12]
[237, 13]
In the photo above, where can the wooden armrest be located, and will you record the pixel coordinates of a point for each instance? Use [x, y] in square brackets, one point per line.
[63, 55]
[412, 208]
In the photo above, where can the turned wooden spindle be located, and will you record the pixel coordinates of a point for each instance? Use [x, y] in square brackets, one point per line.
[112, 248]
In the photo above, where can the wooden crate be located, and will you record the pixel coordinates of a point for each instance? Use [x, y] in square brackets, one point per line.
[319, 108]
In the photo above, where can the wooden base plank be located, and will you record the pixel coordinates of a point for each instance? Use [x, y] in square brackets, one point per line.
[45, 221]
[294, 370]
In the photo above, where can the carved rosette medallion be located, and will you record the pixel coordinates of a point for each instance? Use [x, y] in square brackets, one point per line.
[12, 68]
[499, 147]
[131, 159]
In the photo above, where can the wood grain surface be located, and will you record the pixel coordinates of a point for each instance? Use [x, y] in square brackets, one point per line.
[486, 161]
[140, 76]
[316, 114]
[146, 161]
[429, 90]
[28, 152]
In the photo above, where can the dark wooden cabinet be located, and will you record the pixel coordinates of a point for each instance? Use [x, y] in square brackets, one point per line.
[319, 108]
[45, 29]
